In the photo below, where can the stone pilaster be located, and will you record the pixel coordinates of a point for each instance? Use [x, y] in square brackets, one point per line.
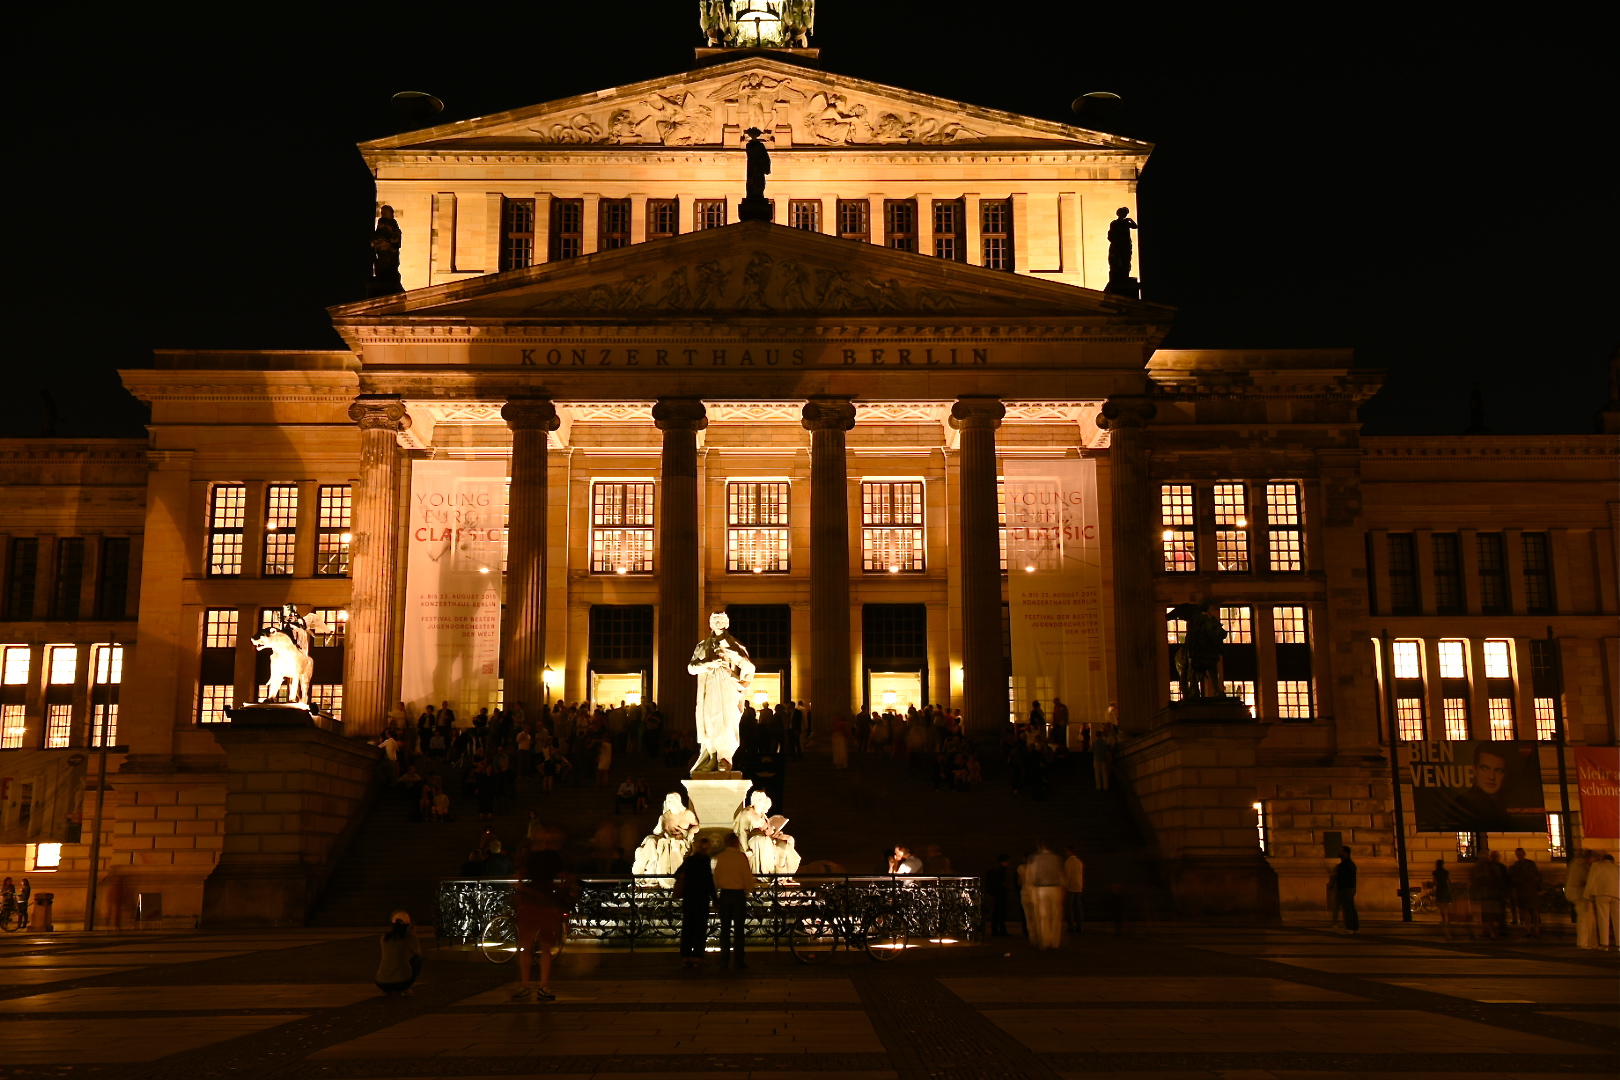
[149, 704]
[1137, 622]
[373, 563]
[984, 666]
[827, 419]
[523, 627]
[680, 624]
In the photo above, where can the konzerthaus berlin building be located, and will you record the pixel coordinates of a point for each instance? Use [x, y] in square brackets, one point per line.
[602, 407]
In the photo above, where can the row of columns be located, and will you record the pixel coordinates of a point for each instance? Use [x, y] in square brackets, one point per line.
[375, 556]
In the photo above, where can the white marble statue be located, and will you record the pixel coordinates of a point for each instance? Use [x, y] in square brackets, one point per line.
[769, 849]
[288, 642]
[724, 673]
[669, 842]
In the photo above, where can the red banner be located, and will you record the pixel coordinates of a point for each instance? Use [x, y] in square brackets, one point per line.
[1598, 769]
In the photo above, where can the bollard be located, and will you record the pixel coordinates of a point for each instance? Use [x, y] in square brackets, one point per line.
[45, 900]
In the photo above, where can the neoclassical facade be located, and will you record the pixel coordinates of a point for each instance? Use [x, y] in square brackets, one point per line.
[601, 407]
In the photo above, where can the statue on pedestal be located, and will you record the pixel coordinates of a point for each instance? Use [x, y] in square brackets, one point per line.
[1120, 247]
[1198, 660]
[291, 665]
[755, 207]
[669, 842]
[385, 245]
[769, 849]
[724, 673]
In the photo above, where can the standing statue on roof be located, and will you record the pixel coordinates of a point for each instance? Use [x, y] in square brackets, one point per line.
[755, 207]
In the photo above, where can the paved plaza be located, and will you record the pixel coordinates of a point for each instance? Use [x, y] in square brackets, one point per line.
[1168, 1001]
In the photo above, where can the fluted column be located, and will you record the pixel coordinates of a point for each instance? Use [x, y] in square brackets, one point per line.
[827, 419]
[1138, 622]
[523, 625]
[984, 666]
[680, 624]
[373, 563]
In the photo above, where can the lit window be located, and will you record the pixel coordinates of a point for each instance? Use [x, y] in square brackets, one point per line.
[1180, 545]
[900, 224]
[1260, 827]
[663, 218]
[1409, 718]
[107, 663]
[1242, 689]
[1294, 699]
[622, 528]
[212, 703]
[756, 527]
[1498, 664]
[104, 723]
[1546, 719]
[1456, 715]
[711, 213]
[567, 228]
[1288, 625]
[1453, 662]
[334, 520]
[950, 240]
[1408, 660]
[280, 529]
[58, 726]
[328, 697]
[1231, 527]
[1283, 521]
[328, 626]
[219, 628]
[1555, 836]
[13, 726]
[1468, 846]
[1001, 521]
[64, 664]
[804, 214]
[1176, 629]
[44, 858]
[853, 223]
[1239, 624]
[892, 526]
[16, 665]
[517, 233]
[226, 513]
[613, 216]
[995, 233]
[1501, 713]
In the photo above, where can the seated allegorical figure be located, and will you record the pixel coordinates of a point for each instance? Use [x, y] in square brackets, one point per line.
[669, 842]
[769, 849]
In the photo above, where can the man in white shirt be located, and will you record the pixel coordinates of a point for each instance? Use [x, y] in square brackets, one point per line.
[1074, 881]
[1045, 880]
[390, 748]
[1575, 892]
[1603, 893]
[733, 881]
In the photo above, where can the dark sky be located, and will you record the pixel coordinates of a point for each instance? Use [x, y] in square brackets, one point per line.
[1430, 188]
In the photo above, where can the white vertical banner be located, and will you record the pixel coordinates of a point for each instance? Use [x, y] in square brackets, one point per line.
[1054, 580]
[453, 582]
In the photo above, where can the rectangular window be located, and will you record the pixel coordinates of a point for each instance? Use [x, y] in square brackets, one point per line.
[212, 703]
[1285, 518]
[58, 727]
[1409, 717]
[1538, 590]
[69, 577]
[892, 526]
[711, 213]
[16, 665]
[227, 512]
[950, 225]
[663, 218]
[1448, 589]
[1288, 625]
[334, 518]
[622, 527]
[1408, 659]
[1239, 623]
[1501, 715]
[44, 858]
[757, 527]
[613, 224]
[280, 528]
[22, 578]
[995, 234]
[1232, 527]
[220, 628]
[328, 698]
[104, 724]
[1546, 719]
[328, 627]
[804, 214]
[1493, 590]
[1180, 537]
[1469, 846]
[1294, 699]
[1456, 716]
[112, 586]
[64, 664]
[1499, 659]
[1403, 589]
[1175, 629]
[854, 220]
[1242, 689]
[567, 228]
[107, 663]
[900, 224]
[1556, 845]
[1260, 827]
[517, 233]
[13, 727]
[1454, 659]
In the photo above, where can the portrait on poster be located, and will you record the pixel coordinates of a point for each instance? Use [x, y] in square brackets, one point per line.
[1477, 786]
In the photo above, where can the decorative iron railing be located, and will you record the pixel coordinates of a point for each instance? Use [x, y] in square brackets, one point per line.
[631, 911]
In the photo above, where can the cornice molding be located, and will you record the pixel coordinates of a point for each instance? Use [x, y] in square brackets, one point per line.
[1442, 448]
[547, 154]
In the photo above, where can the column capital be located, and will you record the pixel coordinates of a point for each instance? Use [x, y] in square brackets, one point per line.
[1126, 412]
[679, 414]
[828, 414]
[977, 412]
[530, 414]
[380, 412]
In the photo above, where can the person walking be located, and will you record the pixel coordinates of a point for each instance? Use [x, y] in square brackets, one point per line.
[1575, 881]
[545, 895]
[401, 956]
[1074, 883]
[1603, 893]
[1045, 878]
[733, 881]
[995, 891]
[1524, 878]
[1344, 881]
[1442, 895]
[694, 885]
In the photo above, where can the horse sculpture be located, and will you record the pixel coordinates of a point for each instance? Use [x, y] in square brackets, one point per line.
[290, 666]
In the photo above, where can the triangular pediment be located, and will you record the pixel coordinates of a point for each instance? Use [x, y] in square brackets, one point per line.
[750, 270]
[796, 106]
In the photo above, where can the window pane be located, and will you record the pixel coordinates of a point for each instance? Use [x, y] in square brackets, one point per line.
[109, 664]
[1493, 594]
[328, 698]
[804, 214]
[104, 724]
[64, 665]
[1538, 597]
[1242, 689]
[214, 700]
[1456, 716]
[1448, 592]
[995, 233]
[17, 664]
[1409, 717]
[1498, 663]
[663, 218]
[1288, 625]
[1408, 663]
[334, 513]
[1294, 699]
[1239, 623]
[13, 727]
[219, 628]
[852, 219]
[58, 726]
[711, 213]
[1453, 662]
[1501, 715]
[1546, 720]
[227, 512]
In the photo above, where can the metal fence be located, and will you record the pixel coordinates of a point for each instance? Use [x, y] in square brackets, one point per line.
[631, 911]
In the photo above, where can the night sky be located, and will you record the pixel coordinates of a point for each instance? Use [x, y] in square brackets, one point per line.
[1431, 188]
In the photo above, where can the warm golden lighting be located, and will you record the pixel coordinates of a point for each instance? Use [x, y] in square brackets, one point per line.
[347, 538]
[1169, 534]
[483, 569]
[890, 697]
[633, 698]
[619, 570]
[760, 698]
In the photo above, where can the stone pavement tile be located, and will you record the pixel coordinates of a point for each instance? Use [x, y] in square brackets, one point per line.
[1359, 965]
[1608, 1019]
[1255, 1031]
[133, 959]
[686, 991]
[34, 975]
[1311, 1074]
[548, 1031]
[77, 1042]
[1587, 991]
[178, 948]
[1138, 988]
[1331, 948]
[187, 998]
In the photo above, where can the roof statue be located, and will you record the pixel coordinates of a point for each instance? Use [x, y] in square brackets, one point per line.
[1120, 244]
[755, 207]
[745, 24]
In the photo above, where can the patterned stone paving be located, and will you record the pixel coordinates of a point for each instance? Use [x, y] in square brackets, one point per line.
[1173, 1001]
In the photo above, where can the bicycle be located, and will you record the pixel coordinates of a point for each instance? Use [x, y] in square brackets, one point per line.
[498, 941]
[11, 916]
[826, 923]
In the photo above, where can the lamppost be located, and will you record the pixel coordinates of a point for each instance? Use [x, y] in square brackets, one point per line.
[545, 682]
[114, 652]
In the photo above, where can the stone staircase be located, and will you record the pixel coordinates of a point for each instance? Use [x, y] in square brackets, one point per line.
[850, 817]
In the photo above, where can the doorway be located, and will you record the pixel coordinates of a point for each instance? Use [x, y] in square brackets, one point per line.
[897, 690]
[610, 688]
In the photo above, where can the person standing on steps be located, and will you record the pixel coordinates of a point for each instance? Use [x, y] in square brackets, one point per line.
[733, 880]
[1344, 882]
[694, 885]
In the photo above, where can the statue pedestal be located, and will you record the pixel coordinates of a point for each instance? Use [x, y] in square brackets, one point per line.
[754, 210]
[716, 798]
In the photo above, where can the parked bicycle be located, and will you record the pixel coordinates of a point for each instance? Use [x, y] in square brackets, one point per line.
[828, 917]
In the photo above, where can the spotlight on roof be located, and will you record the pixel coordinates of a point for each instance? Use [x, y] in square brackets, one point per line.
[1097, 107]
[417, 107]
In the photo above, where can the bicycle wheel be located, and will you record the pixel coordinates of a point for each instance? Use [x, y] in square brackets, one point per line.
[11, 920]
[499, 940]
[812, 938]
[884, 936]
